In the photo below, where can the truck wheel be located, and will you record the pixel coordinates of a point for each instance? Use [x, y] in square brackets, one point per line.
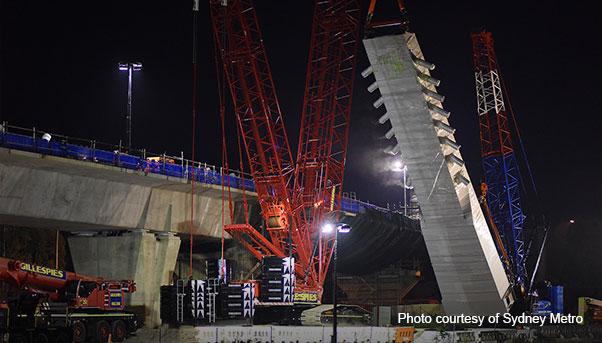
[103, 330]
[118, 331]
[79, 332]
[42, 337]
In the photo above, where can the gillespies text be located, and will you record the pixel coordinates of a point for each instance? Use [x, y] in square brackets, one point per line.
[498, 318]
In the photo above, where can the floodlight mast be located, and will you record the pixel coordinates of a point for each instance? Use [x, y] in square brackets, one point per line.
[329, 228]
[130, 67]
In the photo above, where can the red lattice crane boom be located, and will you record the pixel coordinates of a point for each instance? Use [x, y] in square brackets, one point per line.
[324, 129]
[258, 115]
[291, 209]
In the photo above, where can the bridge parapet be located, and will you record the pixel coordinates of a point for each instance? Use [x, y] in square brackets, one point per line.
[139, 160]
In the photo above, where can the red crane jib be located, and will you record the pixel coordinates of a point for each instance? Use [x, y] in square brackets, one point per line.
[78, 290]
[324, 131]
[294, 196]
[262, 129]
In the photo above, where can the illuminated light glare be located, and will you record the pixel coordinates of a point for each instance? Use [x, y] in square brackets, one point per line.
[327, 228]
[340, 228]
[344, 228]
[398, 166]
[572, 221]
[136, 66]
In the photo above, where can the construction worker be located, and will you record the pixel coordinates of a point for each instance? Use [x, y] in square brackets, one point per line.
[147, 167]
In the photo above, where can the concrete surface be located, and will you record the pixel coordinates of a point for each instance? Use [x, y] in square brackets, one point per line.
[145, 257]
[51, 192]
[466, 264]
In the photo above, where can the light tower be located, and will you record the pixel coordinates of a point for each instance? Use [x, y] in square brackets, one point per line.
[130, 67]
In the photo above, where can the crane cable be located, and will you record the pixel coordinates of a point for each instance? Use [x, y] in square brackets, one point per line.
[537, 207]
[195, 11]
[225, 166]
[242, 177]
[221, 87]
[516, 129]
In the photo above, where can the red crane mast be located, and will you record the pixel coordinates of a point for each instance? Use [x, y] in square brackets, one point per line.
[258, 115]
[294, 198]
[324, 128]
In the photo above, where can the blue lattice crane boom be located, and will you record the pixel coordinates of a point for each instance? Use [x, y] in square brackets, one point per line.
[500, 166]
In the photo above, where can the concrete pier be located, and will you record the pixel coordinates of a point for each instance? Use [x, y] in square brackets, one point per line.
[146, 257]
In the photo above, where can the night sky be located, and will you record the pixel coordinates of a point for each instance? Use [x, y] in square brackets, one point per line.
[59, 74]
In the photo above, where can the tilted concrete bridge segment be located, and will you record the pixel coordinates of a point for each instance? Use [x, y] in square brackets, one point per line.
[466, 263]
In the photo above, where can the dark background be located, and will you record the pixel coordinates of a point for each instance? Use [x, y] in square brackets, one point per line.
[59, 73]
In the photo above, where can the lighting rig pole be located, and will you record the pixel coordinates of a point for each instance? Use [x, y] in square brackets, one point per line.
[399, 166]
[329, 228]
[405, 191]
[334, 288]
[130, 67]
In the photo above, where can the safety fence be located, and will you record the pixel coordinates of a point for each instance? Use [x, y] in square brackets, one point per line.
[315, 334]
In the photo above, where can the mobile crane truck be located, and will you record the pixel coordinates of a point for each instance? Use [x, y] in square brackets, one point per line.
[50, 305]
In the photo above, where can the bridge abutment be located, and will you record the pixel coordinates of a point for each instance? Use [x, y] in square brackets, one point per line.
[140, 255]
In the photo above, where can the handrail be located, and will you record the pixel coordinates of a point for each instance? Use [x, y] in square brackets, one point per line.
[99, 145]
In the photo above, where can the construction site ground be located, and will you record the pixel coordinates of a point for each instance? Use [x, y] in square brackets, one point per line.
[314, 334]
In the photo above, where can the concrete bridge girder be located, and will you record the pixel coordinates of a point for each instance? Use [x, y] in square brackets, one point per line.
[50, 192]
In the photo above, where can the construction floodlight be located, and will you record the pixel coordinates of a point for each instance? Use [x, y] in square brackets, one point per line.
[339, 227]
[327, 228]
[343, 228]
[130, 67]
[398, 166]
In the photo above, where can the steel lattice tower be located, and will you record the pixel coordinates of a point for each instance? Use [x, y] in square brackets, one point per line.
[501, 172]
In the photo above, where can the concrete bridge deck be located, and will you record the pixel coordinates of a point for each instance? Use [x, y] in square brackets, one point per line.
[81, 188]
[44, 191]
